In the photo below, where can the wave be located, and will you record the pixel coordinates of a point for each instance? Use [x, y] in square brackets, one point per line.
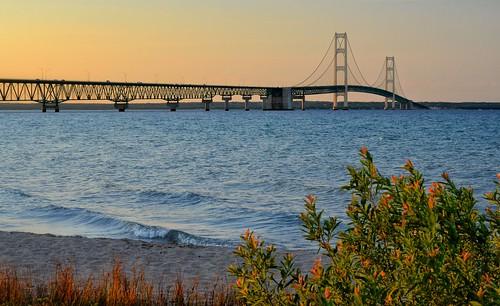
[16, 192]
[178, 198]
[103, 225]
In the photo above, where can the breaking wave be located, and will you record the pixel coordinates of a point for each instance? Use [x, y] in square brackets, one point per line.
[111, 226]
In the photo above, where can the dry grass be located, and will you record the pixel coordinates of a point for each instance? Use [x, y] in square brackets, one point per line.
[114, 288]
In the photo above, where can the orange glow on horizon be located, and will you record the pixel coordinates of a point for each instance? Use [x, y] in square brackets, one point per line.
[440, 55]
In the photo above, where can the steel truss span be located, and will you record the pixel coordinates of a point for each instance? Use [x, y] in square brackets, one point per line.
[60, 90]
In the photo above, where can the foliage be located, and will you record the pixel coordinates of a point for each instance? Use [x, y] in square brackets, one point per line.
[114, 288]
[404, 246]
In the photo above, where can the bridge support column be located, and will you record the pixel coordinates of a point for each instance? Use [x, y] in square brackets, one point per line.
[226, 100]
[121, 106]
[390, 81]
[263, 99]
[50, 105]
[207, 102]
[173, 105]
[280, 99]
[342, 68]
[303, 103]
[247, 102]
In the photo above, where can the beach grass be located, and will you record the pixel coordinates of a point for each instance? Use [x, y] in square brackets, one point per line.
[112, 288]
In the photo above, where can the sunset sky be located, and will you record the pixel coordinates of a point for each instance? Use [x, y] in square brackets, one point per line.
[445, 49]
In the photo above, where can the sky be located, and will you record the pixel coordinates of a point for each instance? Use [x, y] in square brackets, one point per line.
[446, 50]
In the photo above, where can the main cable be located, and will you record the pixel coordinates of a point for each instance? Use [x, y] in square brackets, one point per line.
[355, 62]
[324, 72]
[399, 82]
[354, 76]
[379, 76]
[319, 65]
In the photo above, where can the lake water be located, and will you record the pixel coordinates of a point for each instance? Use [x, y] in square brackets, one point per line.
[203, 178]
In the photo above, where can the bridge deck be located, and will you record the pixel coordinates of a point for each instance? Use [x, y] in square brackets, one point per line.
[62, 90]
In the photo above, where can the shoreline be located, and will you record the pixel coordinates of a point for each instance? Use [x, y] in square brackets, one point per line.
[37, 256]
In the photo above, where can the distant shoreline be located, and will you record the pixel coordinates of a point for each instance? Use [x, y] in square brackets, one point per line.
[240, 106]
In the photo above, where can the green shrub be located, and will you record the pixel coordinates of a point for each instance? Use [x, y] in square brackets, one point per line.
[404, 246]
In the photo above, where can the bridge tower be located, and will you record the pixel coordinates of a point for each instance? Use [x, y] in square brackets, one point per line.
[342, 69]
[390, 81]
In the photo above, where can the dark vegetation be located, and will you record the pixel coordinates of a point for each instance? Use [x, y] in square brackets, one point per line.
[405, 246]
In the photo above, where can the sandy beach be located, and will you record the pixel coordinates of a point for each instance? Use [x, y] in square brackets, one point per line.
[37, 256]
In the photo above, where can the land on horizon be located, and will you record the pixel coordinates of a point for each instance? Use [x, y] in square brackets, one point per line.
[13, 106]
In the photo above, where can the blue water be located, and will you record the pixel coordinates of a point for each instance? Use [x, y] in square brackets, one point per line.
[203, 178]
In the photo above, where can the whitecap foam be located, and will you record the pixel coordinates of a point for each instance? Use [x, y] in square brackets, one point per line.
[103, 225]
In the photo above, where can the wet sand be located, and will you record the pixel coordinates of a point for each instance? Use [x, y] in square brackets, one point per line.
[37, 256]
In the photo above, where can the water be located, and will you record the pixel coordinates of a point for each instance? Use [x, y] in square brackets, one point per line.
[203, 178]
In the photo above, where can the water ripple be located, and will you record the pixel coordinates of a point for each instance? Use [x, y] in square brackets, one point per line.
[206, 177]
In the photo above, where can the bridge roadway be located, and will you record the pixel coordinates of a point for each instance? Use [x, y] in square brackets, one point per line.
[50, 93]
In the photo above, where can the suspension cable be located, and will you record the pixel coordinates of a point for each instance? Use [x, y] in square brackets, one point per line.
[379, 75]
[320, 63]
[399, 82]
[355, 79]
[323, 74]
[355, 62]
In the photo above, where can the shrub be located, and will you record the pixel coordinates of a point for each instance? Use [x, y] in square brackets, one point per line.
[404, 246]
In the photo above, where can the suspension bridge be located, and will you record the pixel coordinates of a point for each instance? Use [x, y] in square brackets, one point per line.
[337, 61]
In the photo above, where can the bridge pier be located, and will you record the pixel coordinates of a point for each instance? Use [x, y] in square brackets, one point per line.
[121, 106]
[226, 100]
[247, 102]
[50, 105]
[392, 105]
[345, 103]
[207, 102]
[280, 99]
[303, 103]
[173, 105]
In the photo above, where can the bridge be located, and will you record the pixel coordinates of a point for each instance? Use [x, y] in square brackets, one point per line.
[51, 93]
